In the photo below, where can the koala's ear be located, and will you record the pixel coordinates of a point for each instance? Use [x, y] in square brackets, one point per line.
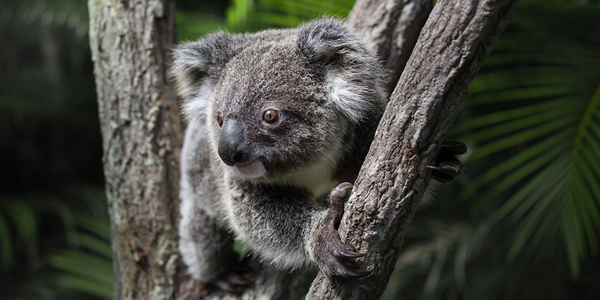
[352, 73]
[195, 67]
[326, 39]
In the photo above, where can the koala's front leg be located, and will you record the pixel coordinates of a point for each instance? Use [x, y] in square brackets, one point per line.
[206, 247]
[333, 257]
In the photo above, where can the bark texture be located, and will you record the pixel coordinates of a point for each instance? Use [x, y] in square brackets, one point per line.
[456, 39]
[392, 26]
[142, 133]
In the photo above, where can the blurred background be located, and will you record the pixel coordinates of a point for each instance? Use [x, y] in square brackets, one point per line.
[522, 222]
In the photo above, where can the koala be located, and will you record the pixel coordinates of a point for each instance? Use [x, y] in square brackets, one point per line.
[279, 122]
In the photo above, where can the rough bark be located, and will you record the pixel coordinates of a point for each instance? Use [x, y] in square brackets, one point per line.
[392, 26]
[142, 133]
[456, 39]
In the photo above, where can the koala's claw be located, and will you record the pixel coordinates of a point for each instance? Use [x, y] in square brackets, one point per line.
[231, 284]
[454, 147]
[448, 167]
[238, 279]
[446, 164]
[361, 273]
[353, 254]
[333, 257]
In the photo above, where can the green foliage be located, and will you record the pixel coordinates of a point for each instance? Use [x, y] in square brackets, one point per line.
[248, 15]
[89, 268]
[67, 252]
[71, 14]
[539, 93]
[24, 223]
[280, 13]
[50, 153]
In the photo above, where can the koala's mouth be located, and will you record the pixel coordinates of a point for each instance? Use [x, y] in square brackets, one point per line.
[252, 169]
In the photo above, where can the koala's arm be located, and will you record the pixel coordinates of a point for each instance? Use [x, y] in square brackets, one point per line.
[206, 243]
[289, 230]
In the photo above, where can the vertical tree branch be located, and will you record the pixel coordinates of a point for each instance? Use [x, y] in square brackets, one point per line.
[142, 135]
[456, 39]
[392, 26]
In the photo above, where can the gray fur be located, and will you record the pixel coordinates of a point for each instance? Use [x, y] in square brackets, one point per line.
[326, 86]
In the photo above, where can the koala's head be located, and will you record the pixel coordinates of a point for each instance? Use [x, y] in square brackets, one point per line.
[280, 101]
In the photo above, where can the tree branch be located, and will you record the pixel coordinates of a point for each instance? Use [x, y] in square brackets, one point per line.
[392, 27]
[456, 39]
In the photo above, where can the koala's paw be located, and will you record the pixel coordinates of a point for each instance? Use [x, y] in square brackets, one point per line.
[446, 164]
[333, 257]
[239, 277]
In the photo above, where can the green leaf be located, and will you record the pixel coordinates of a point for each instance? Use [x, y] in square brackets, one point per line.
[68, 220]
[84, 265]
[520, 137]
[87, 285]
[25, 223]
[100, 227]
[95, 244]
[553, 107]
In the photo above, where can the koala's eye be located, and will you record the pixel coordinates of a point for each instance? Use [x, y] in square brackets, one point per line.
[219, 119]
[270, 116]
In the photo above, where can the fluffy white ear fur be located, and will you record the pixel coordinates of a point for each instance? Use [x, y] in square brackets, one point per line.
[351, 99]
[352, 77]
[197, 105]
[189, 73]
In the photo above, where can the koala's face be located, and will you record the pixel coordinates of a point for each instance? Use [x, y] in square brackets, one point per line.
[271, 115]
[283, 104]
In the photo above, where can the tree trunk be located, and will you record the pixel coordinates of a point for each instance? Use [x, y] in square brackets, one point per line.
[456, 39]
[142, 135]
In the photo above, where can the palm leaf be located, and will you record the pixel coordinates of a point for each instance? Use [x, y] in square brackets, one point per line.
[87, 269]
[544, 96]
[54, 13]
[25, 223]
[84, 272]
[283, 13]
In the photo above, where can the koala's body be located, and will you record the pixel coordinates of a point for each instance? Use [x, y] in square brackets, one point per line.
[277, 119]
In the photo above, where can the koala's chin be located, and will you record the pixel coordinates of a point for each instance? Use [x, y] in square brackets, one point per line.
[251, 170]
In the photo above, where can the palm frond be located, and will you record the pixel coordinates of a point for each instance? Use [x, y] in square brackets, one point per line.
[285, 13]
[24, 222]
[71, 14]
[191, 25]
[75, 255]
[544, 97]
[439, 259]
[87, 267]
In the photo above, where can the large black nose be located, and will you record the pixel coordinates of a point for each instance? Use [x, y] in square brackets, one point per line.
[232, 146]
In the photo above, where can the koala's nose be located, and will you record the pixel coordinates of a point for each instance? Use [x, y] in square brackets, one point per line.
[231, 143]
